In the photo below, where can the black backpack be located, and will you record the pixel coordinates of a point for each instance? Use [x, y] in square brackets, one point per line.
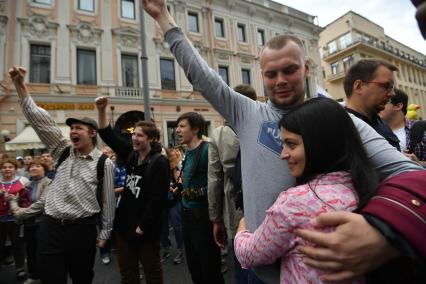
[238, 183]
[237, 180]
[99, 172]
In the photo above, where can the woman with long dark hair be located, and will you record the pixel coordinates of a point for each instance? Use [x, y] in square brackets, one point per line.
[325, 154]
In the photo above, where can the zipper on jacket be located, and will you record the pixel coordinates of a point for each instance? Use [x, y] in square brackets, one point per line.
[403, 206]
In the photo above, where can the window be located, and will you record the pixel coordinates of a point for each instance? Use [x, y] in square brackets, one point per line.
[245, 76]
[86, 5]
[219, 27]
[129, 70]
[335, 68]
[45, 2]
[241, 32]
[86, 67]
[128, 9]
[172, 137]
[223, 72]
[40, 64]
[347, 62]
[345, 40]
[193, 22]
[167, 70]
[260, 37]
[332, 47]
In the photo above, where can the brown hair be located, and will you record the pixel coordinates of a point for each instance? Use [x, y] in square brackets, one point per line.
[38, 162]
[246, 90]
[10, 161]
[195, 120]
[149, 129]
[173, 162]
[281, 41]
[364, 70]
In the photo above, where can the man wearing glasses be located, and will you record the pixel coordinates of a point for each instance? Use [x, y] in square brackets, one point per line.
[369, 85]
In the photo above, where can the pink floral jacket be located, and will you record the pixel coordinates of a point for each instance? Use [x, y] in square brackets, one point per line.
[295, 208]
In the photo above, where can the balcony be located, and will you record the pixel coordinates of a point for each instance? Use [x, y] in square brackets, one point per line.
[335, 77]
[331, 56]
[128, 92]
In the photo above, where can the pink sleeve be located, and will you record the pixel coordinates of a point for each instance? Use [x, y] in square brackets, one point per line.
[270, 241]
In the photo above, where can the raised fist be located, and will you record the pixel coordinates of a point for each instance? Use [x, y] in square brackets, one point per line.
[101, 103]
[17, 74]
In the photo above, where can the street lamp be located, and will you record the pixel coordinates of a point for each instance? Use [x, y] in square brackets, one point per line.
[112, 108]
[5, 134]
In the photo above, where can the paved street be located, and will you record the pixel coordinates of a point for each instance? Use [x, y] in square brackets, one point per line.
[173, 274]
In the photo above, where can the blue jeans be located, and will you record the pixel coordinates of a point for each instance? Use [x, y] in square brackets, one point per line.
[175, 217]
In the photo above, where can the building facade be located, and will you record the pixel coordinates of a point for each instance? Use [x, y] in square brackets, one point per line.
[353, 37]
[76, 50]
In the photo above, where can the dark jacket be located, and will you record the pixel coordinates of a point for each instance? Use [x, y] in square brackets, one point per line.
[382, 128]
[143, 197]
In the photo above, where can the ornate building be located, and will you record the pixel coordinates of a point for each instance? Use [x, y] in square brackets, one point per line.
[352, 37]
[76, 50]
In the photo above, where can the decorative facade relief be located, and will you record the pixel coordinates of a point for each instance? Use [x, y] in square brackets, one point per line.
[127, 36]
[37, 26]
[202, 50]
[162, 47]
[223, 55]
[246, 59]
[84, 32]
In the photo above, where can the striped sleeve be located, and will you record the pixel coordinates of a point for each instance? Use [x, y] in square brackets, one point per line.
[108, 208]
[45, 127]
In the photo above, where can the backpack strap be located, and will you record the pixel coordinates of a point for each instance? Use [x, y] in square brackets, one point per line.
[195, 162]
[238, 183]
[100, 172]
[64, 155]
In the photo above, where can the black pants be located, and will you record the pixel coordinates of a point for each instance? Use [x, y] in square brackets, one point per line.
[66, 249]
[11, 229]
[202, 253]
[30, 237]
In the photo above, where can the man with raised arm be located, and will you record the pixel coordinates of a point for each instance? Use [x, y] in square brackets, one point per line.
[75, 200]
[355, 247]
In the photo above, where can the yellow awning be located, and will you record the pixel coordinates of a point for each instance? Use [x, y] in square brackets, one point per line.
[28, 139]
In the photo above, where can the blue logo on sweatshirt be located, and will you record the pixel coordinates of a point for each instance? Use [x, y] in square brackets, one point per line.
[269, 137]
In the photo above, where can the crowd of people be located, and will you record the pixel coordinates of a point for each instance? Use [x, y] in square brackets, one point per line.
[298, 191]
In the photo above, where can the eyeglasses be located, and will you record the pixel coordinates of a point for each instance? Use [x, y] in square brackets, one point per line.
[389, 87]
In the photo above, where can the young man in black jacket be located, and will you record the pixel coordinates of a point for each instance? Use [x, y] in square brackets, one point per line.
[137, 222]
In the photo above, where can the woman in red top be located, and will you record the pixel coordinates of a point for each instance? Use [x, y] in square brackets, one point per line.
[10, 184]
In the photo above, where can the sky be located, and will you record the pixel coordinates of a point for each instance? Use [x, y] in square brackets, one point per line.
[395, 16]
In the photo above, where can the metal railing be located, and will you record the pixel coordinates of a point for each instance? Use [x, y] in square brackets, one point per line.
[128, 92]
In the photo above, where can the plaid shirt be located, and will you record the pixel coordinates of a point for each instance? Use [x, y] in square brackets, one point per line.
[419, 148]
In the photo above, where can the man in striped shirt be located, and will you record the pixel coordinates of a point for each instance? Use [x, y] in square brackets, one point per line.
[68, 236]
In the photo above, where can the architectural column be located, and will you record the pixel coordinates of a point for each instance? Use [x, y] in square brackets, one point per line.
[106, 49]
[62, 51]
